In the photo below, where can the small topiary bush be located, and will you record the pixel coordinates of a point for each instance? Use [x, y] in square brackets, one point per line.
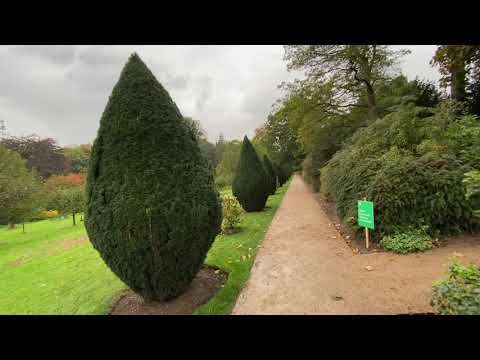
[459, 292]
[407, 241]
[250, 185]
[271, 177]
[232, 214]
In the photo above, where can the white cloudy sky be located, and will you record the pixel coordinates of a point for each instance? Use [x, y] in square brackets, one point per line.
[61, 91]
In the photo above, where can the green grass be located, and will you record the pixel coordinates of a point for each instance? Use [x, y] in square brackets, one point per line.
[40, 274]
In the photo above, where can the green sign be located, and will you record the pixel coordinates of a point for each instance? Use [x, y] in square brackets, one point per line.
[365, 214]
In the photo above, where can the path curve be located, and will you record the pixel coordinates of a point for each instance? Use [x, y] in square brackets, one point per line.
[305, 267]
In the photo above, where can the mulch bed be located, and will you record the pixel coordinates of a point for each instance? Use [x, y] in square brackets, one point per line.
[204, 286]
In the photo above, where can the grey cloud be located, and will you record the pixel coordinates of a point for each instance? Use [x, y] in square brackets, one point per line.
[61, 91]
[57, 54]
[178, 82]
[102, 55]
[205, 84]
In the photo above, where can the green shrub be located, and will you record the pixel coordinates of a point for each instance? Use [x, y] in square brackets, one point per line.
[222, 182]
[328, 137]
[459, 292]
[271, 177]
[250, 185]
[472, 185]
[407, 241]
[410, 167]
[152, 208]
[232, 214]
[311, 173]
[282, 176]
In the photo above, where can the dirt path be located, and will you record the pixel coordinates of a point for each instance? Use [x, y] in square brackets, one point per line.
[303, 267]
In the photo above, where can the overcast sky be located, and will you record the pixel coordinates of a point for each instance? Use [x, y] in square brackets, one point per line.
[61, 91]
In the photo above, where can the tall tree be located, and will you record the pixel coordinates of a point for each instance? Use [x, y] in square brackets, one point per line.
[153, 215]
[225, 170]
[351, 70]
[219, 149]
[454, 62]
[19, 189]
[77, 157]
[42, 154]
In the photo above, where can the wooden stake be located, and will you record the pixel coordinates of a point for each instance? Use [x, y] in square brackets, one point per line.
[367, 237]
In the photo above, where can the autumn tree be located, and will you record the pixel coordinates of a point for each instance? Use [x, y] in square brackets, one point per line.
[42, 154]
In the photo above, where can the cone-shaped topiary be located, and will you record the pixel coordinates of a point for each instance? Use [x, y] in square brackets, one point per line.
[250, 185]
[152, 209]
[272, 178]
[281, 177]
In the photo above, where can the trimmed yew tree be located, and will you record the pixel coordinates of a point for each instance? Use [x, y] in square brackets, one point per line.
[250, 185]
[272, 177]
[152, 208]
[280, 174]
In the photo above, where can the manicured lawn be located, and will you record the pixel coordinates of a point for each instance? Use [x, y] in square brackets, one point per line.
[46, 271]
[53, 269]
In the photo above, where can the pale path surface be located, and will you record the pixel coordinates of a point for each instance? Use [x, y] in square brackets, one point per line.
[303, 265]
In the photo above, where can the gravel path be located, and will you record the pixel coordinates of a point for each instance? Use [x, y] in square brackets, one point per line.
[305, 267]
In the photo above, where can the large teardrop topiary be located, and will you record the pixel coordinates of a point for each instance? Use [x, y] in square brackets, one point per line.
[152, 209]
[250, 185]
[272, 177]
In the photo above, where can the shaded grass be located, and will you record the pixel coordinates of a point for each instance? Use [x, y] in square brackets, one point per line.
[236, 253]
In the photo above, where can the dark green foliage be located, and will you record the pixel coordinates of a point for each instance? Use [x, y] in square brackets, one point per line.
[311, 172]
[281, 174]
[328, 137]
[272, 178]
[152, 209]
[411, 168]
[250, 185]
[459, 292]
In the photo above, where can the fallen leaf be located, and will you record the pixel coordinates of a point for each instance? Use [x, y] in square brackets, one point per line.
[458, 254]
[368, 268]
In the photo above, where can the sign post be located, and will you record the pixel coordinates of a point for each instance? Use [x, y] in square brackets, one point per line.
[365, 217]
